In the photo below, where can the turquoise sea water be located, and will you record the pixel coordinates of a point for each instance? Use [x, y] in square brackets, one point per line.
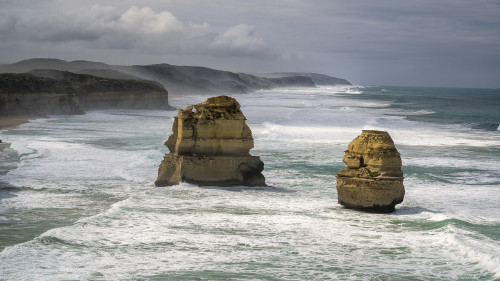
[77, 199]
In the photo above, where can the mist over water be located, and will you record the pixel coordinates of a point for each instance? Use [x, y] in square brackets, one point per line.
[77, 199]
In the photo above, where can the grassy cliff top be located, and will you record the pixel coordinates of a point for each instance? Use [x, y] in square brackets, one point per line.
[55, 81]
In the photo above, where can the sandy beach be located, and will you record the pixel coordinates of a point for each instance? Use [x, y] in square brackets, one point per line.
[9, 122]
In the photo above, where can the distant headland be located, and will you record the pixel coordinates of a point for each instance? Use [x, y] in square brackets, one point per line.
[42, 86]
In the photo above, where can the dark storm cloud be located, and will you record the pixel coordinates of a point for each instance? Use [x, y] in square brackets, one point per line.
[446, 42]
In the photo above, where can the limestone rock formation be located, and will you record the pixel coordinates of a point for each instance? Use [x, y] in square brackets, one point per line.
[373, 180]
[42, 92]
[210, 146]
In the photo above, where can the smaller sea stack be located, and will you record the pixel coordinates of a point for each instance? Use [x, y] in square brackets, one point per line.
[211, 146]
[373, 180]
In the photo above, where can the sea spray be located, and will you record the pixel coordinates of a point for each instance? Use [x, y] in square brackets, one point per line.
[82, 203]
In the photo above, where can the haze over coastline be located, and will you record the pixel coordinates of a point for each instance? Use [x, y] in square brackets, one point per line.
[420, 43]
[297, 124]
[38, 87]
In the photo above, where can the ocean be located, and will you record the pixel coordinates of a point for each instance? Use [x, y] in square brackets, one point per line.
[78, 202]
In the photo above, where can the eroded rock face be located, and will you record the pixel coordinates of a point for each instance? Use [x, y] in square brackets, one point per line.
[210, 145]
[42, 92]
[373, 180]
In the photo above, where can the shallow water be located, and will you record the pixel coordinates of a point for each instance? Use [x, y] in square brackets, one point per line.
[77, 199]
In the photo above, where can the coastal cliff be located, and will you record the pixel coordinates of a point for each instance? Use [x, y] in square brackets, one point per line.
[203, 80]
[180, 80]
[42, 92]
[373, 180]
[318, 79]
[27, 94]
[211, 146]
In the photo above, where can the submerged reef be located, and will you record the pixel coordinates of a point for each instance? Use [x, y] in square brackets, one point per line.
[211, 146]
[373, 180]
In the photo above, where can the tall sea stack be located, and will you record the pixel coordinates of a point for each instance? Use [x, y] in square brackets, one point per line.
[211, 146]
[373, 180]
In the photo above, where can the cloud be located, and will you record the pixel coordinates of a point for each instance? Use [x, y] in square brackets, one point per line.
[146, 21]
[199, 26]
[136, 28]
[241, 40]
[371, 41]
[99, 22]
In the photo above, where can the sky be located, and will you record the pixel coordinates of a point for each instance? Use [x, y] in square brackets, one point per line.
[449, 43]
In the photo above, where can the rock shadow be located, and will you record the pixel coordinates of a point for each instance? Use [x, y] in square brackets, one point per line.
[249, 188]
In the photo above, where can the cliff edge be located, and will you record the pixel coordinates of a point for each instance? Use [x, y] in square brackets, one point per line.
[42, 92]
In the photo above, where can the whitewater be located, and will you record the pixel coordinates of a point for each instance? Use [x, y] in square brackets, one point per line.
[78, 201]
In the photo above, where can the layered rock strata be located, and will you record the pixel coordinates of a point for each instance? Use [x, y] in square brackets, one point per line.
[42, 92]
[211, 146]
[373, 180]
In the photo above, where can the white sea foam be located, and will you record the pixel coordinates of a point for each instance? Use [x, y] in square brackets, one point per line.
[287, 133]
[353, 92]
[31, 199]
[21, 148]
[422, 112]
[439, 217]
[37, 122]
[138, 168]
[483, 253]
[293, 232]
[184, 227]
[451, 162]
[440, 136]
[472, 203]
